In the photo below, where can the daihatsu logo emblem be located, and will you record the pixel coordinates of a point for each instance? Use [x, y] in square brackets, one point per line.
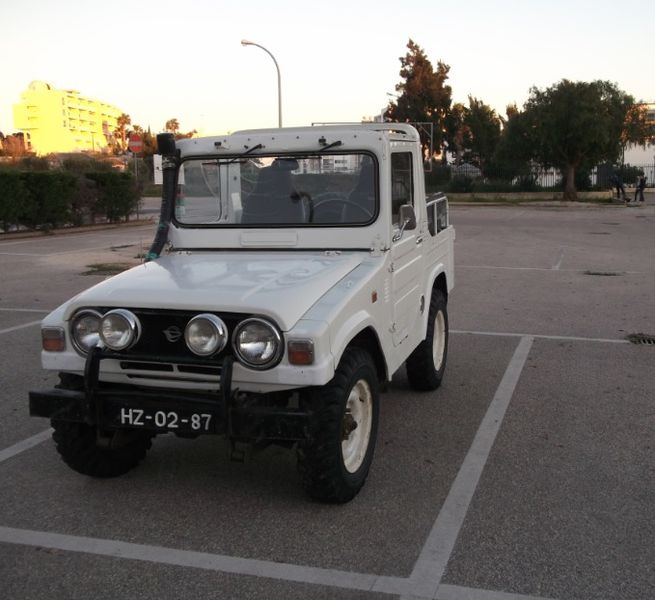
[172, 333]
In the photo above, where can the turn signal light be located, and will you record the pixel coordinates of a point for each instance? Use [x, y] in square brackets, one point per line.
[300, 352]
[53, 339]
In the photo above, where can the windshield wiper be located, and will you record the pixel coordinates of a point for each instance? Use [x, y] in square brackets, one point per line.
[332, 145]
[240, 156]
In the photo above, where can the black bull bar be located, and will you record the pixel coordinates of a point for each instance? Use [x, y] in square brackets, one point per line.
[238, 415]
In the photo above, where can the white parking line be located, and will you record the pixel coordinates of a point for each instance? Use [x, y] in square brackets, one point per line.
[204, 560]
[456, 592]
[558, 264]
[27, 310]
[23, 445]
[17, 327]
[546, 269]
[431, 564]
[241, 566]
[537, 336]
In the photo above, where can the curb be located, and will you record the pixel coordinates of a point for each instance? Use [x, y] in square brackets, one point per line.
[19, 235]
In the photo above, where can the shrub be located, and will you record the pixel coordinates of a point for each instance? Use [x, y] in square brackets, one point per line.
[438, 177]
[49, 198]
[460, 184]
[13, 196]
[117, 194]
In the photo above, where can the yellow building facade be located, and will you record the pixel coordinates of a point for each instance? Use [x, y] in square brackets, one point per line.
[63, 121]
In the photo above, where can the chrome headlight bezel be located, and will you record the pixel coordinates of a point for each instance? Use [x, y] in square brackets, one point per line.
[220, 331]
[272, 357]
[79, 347]
[130, 334]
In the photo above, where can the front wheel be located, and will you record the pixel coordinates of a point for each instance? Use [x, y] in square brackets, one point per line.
[426, 365]
[334, 464]
[78, 444]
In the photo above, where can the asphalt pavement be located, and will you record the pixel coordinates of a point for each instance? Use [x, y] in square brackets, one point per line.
[529, 474]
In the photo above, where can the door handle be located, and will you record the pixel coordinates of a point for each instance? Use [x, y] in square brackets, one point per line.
[419, 240]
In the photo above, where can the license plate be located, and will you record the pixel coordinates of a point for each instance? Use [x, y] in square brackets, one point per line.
[169, 420]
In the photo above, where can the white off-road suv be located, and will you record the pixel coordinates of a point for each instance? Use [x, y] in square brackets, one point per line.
[293, 272]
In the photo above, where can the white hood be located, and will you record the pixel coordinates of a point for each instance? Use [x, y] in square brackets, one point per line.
[282, 286]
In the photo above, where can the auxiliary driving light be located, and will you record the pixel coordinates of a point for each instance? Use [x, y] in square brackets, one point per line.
[205, 334]
[119, 329]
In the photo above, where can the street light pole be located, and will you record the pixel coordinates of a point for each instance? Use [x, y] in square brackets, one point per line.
[279, 81]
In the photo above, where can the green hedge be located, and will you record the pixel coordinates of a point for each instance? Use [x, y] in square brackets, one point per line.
[13, 197]
[117, 196]
[47, 199]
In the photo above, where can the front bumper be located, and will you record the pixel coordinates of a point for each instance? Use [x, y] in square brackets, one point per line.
[244, 417]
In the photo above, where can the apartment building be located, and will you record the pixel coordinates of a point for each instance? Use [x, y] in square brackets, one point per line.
[56, 120]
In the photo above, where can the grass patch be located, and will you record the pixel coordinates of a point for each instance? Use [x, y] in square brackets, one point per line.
[106, 269]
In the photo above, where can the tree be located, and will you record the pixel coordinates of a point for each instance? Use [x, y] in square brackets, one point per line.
[120, 133]
[457, 133]
[638, 128]
[14, 146]
[173, 126]
[483, 125]
[514, 151]
[576, 125]
[424, 97]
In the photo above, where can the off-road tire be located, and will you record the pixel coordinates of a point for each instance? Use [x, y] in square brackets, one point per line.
[321, 463]
[78, 447]
[424, 369]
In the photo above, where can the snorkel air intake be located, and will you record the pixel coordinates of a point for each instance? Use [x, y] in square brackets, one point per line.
[169, 161]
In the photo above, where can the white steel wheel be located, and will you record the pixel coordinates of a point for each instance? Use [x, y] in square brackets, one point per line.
[357, 423]
[426, 365]
[335, 459]
[438, 340]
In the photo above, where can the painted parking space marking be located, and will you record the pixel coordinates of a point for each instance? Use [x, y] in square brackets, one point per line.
[431, 564]
[537, 336]
[17, 327]
[560, 258]
[241, 566]
[203, 560]
[26, 310]
[24, 445]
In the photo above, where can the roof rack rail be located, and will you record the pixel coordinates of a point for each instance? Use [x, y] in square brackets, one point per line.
[403, 128]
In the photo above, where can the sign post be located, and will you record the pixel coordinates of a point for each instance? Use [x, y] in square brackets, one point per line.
[135, 144]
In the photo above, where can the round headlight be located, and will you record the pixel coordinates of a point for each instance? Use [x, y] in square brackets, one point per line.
[205, 334]
[119, 329]
[257, 343]
[84, 329]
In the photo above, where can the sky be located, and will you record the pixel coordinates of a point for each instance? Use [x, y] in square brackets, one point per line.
[338, 59]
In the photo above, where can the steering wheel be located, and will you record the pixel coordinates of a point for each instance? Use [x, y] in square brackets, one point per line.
[335, 198]
[300, 196]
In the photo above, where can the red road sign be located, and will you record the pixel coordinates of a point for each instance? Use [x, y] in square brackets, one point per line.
[135, 143]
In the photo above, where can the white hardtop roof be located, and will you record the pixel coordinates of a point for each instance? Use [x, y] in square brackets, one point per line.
[296, 137]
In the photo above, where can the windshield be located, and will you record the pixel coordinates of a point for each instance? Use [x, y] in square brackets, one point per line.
[262, 191]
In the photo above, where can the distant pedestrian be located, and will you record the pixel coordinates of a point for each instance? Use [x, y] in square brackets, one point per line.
[617, 182]
[639, 190]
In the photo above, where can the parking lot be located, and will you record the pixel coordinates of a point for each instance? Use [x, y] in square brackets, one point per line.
[529, 474]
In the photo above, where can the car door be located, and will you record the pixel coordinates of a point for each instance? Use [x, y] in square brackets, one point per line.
[406, 250]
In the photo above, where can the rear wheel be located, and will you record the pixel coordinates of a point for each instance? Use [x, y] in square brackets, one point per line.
[426, 365]
[110, 455]
[334, 464]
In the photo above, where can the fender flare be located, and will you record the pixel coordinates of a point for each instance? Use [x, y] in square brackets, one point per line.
[354, 325]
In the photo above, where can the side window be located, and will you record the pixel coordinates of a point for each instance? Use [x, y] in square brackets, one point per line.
[402, 183]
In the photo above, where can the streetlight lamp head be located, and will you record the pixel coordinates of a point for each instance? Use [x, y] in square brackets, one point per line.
[246, 43]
